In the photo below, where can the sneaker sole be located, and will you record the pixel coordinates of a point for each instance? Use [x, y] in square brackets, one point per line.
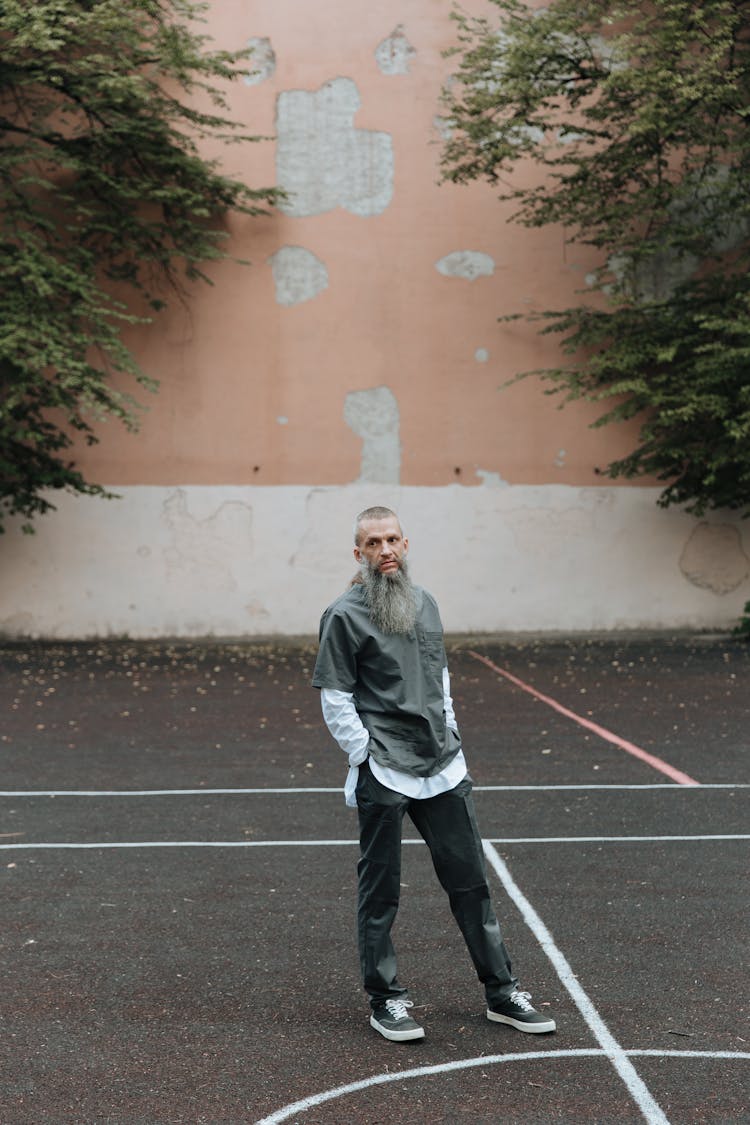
[531, 1028]
[397, 1036]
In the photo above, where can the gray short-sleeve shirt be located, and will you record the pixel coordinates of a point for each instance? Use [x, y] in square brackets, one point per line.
[396, 680]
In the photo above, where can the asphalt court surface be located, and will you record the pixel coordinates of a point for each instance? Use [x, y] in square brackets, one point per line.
[179, 872]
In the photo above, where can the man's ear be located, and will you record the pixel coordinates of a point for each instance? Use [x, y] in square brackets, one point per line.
[358, 554]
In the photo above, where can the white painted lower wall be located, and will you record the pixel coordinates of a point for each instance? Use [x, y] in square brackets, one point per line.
[246, 561]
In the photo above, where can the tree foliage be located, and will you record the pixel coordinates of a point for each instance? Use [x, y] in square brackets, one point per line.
[637, 117]
[106, 205]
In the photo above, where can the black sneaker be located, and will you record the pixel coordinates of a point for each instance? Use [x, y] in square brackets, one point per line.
[392, 1021]
[518, 1011]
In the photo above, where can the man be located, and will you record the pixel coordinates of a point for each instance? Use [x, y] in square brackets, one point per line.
[385, 694]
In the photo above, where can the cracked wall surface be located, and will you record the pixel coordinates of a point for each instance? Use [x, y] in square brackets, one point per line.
[250, 561]
[208, 542]
[714, 558]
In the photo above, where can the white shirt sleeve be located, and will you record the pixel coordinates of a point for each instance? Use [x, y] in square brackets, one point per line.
[344, 723]
[450, 715]
[352, 735]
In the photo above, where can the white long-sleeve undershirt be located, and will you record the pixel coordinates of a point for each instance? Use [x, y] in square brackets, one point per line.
[350, 733]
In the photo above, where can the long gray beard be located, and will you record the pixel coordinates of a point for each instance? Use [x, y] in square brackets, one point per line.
[390, 598]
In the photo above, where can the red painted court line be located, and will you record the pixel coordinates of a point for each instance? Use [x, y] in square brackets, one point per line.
[650, 759]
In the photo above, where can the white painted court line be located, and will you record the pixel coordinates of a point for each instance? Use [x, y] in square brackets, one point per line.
[663, 786]
[614, 839]
[637, 1088]
[403, 1075]
[113, 844]
[676, 1053]
[466, 1064]
[110, 845]
[163, 792]
[630, 747]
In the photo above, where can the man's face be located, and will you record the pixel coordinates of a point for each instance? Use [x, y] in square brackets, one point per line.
[382, 545]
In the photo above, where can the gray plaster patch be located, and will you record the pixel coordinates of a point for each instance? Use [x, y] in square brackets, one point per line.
[443, 126]
[323, 161]
[481, 355]
[569, 137]
[469, 264]
[298, 275]
[374, 415]
[713, 558]
[698, 202]
[395, 53]
[491, 480]
[262, 61]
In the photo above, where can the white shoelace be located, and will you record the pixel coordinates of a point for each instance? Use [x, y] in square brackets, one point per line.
[523, 1000]
[397, 1008]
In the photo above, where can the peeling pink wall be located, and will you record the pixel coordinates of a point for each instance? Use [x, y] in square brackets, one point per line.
[277, 374]
[359, 360]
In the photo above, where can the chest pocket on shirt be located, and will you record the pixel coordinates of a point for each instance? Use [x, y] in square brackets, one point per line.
[432, 646]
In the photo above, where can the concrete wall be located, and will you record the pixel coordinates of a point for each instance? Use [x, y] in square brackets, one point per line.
[360, 359]
[242, 561]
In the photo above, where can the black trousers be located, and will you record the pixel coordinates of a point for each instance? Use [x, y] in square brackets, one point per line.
[448, 825]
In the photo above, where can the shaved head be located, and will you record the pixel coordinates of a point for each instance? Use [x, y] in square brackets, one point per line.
[376, 513]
